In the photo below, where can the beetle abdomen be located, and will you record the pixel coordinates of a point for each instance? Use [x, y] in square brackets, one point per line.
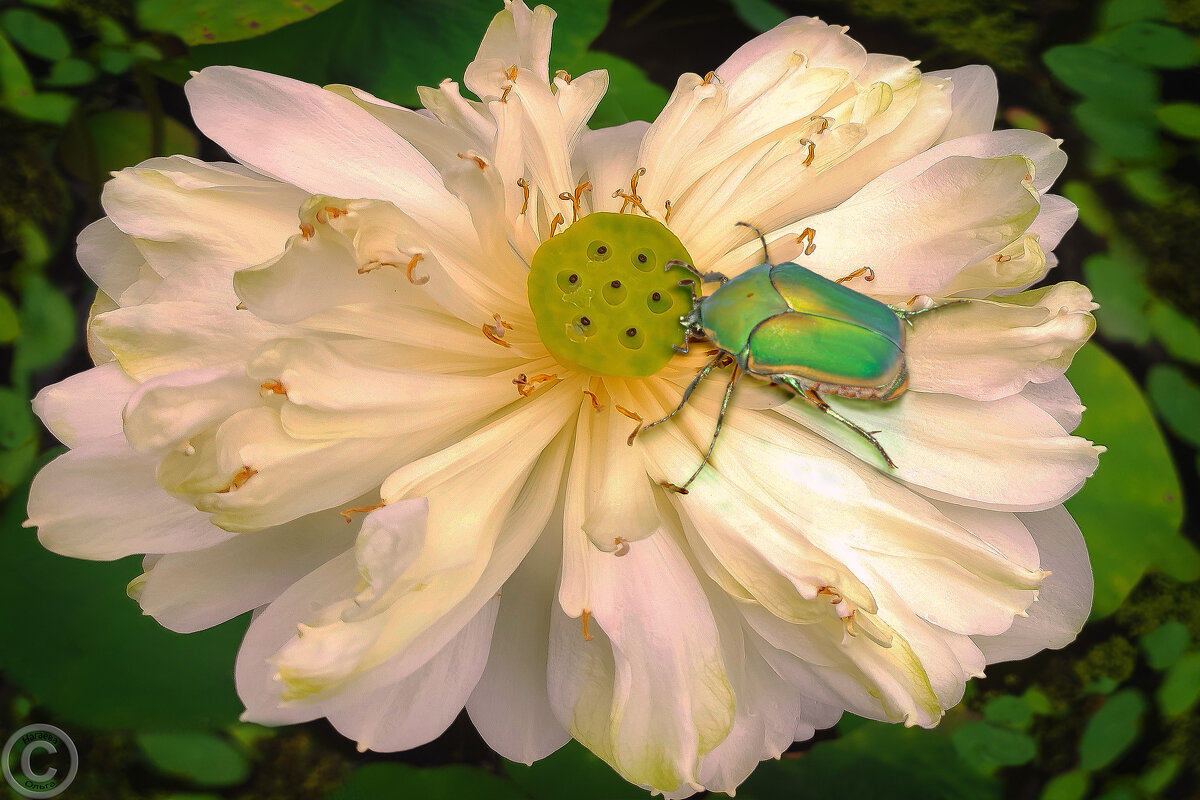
[839, 355]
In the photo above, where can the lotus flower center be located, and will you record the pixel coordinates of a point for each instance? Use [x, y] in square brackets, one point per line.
[603, 300]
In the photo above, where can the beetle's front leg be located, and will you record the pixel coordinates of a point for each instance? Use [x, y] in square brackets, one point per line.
[691, 387]
[733, 381]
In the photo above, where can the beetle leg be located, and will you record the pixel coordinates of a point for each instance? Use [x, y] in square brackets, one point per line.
[733, 380]
[810, 394]
[687, 393]
[761, 238]
[907, 313]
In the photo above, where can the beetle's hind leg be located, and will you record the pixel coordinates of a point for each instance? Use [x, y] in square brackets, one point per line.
[907, 314]
[733, 380]
[810, 394]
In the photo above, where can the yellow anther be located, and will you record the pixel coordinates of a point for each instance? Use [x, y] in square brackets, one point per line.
[524, 184]
[573, 199]
[564, 75]
[239, 480]
[511, 75]
[554, 223]
[632, 198]
[1001, 258]
[811, 235]
[495, 331]
[412, 265]
[633, 415]
[240, 306]
[595, 400]
[477, 159]
[327, 213]
[527, 386]
[347, 513]
[307, 231]
[587, 617]
[832, 593]
[622, 547]
[710, 77]
[667, 213]
[272, 387]
[812, 152]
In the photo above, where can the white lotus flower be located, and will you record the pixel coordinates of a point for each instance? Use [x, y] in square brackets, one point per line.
[339, 324]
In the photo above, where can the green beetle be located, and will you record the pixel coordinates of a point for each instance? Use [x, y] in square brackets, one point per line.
[791, 326]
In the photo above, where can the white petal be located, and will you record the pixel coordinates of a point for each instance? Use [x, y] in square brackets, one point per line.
[516, 37]
[320, 142]
[85, 406]
[974, 99]
[1058, 399]
[188, 592]
[1066, 596]
[100, 502]
[606, 157]
[109, 257]
[1055, 218]
[986, 350]
[167, 411]
[510, 706]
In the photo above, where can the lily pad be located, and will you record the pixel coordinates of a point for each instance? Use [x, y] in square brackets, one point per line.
[1112, 729]
[402, 782]
[202, 759]
[209, 21]
[1165, 644]
[1177, 400]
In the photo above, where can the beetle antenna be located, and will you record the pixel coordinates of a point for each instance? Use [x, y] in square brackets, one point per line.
[761, 238]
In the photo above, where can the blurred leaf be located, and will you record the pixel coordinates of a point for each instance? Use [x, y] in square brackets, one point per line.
[10, 326]
[1096, 72]
[1119, 12]
[110, 31]
[1010, 711]
[112, 140]
[114, 60]
[1102, 685]
[1123, 133]
[1153, 45]
[1119, 793]
[51, 107]
[631, 95]
[1178, 333]
[1165, 644]
[199, 758]
[1160, 776]
[1037, 700]
[208, 21]
[1068, 786]
[15, 465]
[1181, 688]
[1026, 119]
[402, 782]
[874, 760]
[1148, 185]
[1116, 283]
[759, 15]
[1180, 118]
[992, 746]
[15, 80]
[78, 646]
[47, 324]
[1131, 509]
[1093, 213]
[70, 72]
[1112, 729]
[1177, 400]
[575, 766]
[411, 43]
[35, 34]
[16, 419]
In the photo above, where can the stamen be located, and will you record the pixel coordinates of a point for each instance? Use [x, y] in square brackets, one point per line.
[710, 77]
[832, 593]
[811, 235]
[511, 74]
[241, 306]
[347, 513]
[672, 487]
[527, 386]
[573, 199]
[323, 215]
[554, 223]
[524, 184]
[667, 216]
[866, 273]
[1001, 258]
[239, 480]
[562, 73]
[633, 198]
[824, 124]
[636, 418]
[587, 617]
[812, 151]
[848, 621]
[477, 159]
[622, 547]
[495, 331]
[412, 265]
[307, 231]
[595, 400]
[272, 387]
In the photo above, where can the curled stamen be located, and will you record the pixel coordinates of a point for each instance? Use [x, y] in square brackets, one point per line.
[239, 480]
[554, 223]
[832, 593]
[622, 547]
[272, 387]
[824, 124]
[811, 235]
[667, 215]
[495, 331]
[347, 513]
[563, 74]
[573, 199]
[812, 151]
[412, 265]
[587, 616]
[595, 400]
[527, 386]
[710, 77]
[633, 415]
[632, 198]
[511, 74]
[1001, 258]
[866, 273]
[477, 159]
[524, 184]
[307, 231]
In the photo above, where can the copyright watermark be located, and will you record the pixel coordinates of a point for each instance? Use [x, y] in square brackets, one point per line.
[39, 761]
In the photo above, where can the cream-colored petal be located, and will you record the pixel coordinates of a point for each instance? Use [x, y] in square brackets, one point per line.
[516, 37]
[167, 411]
[109, 257]
[606, 158]
[974, 100]
[440, 144]
[85, 406]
